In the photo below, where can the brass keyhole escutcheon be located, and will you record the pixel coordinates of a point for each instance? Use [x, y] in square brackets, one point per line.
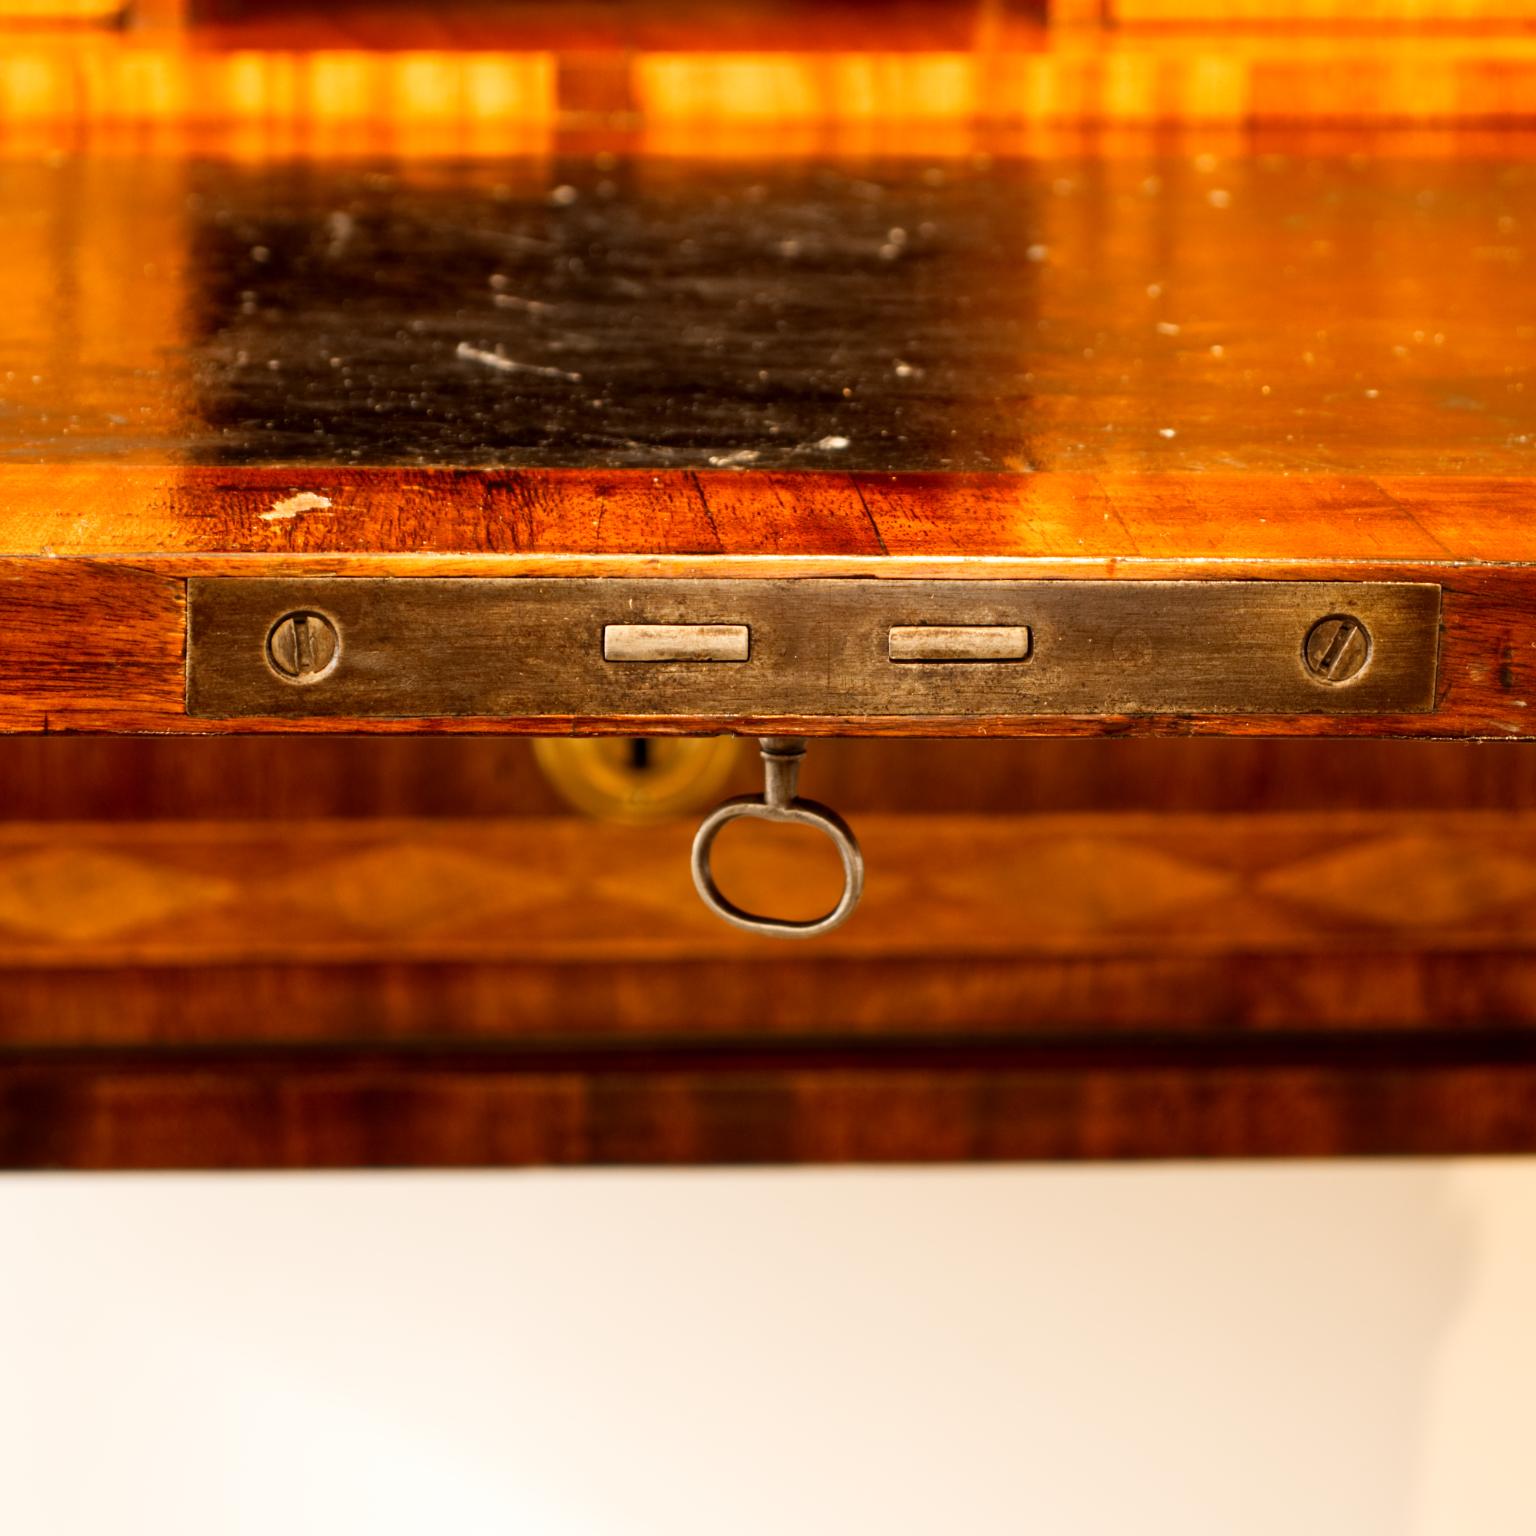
[638, 779]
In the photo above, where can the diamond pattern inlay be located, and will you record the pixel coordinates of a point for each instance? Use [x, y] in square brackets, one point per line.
[1009, 885]
[407, 887]
[82, 894]
[1407, 881]
[1089, 882]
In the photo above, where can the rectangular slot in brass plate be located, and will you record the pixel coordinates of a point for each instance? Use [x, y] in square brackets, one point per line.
[959, 642]
[432, 648]
[676, 642]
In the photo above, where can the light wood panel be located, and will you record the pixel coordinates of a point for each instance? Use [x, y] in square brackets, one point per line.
[62, 12]
[920, 103]
[149, 79]
[1323, 15]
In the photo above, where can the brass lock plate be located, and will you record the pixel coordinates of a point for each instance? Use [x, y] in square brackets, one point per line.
[425, 648]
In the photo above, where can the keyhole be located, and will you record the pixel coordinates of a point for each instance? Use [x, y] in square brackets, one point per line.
[640, 754]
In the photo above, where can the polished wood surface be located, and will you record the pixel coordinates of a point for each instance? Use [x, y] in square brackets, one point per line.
[1286, 313]
[1344, 15]
[335, 519]
[469, 78]
[100, 12]
[244, 779]
[343, 952]
[160, 528]
[598, 300]
[595, 27]
[1266, 367]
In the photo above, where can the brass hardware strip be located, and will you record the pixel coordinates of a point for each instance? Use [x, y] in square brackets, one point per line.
[407, 648]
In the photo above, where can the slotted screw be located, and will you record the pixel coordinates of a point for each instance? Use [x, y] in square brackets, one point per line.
[1337, 648]
[302, 646]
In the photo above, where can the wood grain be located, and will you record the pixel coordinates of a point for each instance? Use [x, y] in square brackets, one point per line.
[123, 601]
[60, 12]
[1206, 998]
[1242, 357]
[436, 991]
[350, 1109]
[1010, 914]
[248, 779]
[1232, 366]
[1325, 15]
[551, 889]
[202, 521]
[286, 88]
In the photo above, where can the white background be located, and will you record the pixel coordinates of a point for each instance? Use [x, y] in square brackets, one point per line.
[1234, 1349]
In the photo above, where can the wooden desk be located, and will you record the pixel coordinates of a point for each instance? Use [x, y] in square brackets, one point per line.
[1296, 368]
[1306, 364]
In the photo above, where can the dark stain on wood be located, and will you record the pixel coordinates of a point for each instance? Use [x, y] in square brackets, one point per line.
[1288, 312]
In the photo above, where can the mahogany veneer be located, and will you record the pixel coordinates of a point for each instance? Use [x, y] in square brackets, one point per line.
[446, 991]
[1289, 368]
[1296, 365]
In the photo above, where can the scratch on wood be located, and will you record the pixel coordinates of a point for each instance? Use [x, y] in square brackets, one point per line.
[503, 364]
[291, 506]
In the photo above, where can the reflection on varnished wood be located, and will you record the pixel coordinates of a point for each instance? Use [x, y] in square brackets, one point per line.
[301, 89]
[1158, 314]
[626, 26]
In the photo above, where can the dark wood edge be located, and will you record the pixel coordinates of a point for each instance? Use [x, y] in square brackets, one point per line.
[374, 1109]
